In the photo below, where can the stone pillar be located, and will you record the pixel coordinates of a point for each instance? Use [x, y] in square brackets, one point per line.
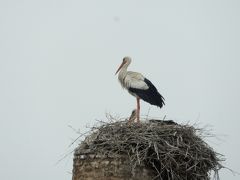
[96, 167]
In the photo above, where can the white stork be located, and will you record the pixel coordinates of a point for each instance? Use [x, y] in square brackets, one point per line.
[138, 86]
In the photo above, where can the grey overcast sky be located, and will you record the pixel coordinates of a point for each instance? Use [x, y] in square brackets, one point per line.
[57, 65]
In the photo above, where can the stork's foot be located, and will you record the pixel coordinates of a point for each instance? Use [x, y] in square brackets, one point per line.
[138, 121]
[138, 116]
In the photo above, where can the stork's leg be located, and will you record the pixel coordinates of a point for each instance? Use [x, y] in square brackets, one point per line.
[138, 110]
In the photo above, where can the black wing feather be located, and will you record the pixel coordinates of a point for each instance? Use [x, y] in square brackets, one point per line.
[150, 95]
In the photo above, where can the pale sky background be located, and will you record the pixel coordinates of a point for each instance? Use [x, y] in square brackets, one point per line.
[57, 65]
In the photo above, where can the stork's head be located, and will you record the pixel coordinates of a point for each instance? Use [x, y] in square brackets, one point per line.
[126, 61]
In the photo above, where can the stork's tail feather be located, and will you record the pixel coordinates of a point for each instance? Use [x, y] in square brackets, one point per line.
[160, 101]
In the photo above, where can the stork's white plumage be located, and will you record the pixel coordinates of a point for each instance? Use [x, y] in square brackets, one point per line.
[138, 86]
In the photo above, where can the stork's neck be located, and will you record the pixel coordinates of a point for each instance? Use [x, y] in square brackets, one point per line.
[123, 70]
[122, 73]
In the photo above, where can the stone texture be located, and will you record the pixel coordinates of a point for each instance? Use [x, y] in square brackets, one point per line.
[96, 167]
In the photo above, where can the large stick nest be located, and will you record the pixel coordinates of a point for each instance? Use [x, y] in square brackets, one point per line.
[173, 151]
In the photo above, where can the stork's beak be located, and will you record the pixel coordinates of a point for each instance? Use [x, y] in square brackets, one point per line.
[120, 67]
